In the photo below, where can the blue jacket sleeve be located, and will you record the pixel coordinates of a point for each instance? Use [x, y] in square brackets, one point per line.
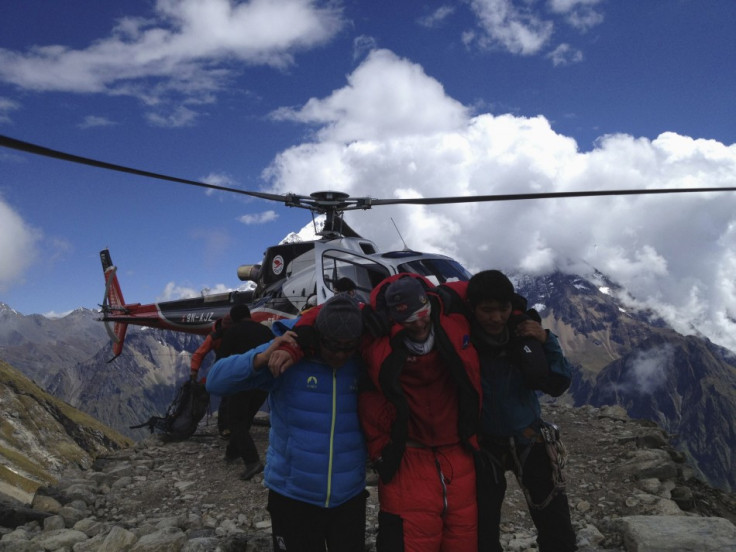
[560, 371]
[235, 373]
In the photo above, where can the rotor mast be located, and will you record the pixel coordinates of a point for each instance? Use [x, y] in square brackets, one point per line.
[332, 205]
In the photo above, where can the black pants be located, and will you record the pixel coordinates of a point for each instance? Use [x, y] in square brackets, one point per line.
[554, 528]
[222, 426]
[300, 527]
[241, 408]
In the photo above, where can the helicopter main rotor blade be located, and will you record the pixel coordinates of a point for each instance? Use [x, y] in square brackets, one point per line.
[541, 195]
[48, 152]
[324, 202]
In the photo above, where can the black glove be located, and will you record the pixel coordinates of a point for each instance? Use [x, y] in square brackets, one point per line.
[307, 338]
[388, 464]
[376, 323]
[527, 354]
[534, 315]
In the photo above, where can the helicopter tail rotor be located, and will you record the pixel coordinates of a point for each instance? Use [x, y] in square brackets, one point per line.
[112, 302]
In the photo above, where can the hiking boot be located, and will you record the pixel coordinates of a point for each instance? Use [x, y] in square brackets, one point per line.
[225, 434]
[251, 469]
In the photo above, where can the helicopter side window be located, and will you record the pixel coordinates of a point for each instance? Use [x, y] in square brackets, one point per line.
[437, 271]
[364, 272]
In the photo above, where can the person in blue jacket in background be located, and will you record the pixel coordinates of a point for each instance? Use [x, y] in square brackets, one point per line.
[315, 462]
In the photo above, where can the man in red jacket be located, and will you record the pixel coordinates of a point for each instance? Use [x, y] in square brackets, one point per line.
[212, 343]
[420, 418]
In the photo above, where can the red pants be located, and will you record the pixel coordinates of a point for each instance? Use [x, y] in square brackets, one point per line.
[430, 504]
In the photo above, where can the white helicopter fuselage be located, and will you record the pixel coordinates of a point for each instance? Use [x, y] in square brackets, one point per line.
[311, 275]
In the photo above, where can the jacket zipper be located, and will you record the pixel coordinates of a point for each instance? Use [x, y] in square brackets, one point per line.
[443, 482]
[332, 437]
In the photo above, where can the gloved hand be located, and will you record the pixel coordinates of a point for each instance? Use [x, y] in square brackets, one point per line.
[388, 463]
[376, 323]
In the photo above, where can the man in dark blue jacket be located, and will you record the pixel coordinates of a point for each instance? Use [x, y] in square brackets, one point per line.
[315, 463]
[518, 358]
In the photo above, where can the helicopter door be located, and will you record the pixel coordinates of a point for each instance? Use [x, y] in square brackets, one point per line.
[333, 264]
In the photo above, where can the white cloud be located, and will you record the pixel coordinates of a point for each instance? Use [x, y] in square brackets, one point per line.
[366, 108]
[437, 17]
[216, 289]
[565, 54]
[513, 27]
[674, 253]
[362, 45]
[174, 291]
[648, 369]
[218, 179]
[259, 218]
[187, 48]
[93, 121]
[18, 246]
[176, 117]
[525, 28]
[7, 106]
[581, 14]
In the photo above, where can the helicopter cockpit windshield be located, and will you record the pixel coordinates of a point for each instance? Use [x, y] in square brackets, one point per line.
[366, 271]
[436, 270]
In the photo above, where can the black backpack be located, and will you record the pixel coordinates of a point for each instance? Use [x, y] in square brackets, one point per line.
[189, 406]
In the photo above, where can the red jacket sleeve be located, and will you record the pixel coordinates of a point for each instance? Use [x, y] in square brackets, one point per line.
[460, 287]
[198, 356]
[307, 318]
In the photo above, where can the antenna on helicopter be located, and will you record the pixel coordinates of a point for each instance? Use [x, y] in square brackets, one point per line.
[406, 247]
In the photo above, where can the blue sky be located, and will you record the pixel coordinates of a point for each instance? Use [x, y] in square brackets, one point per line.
[396, 99]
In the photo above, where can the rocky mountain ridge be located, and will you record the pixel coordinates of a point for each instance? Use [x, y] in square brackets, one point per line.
[42, 347]
[69, 357]
[633, 359]
[40, 436]
[621, 356]
[628, 491]
[138, 384]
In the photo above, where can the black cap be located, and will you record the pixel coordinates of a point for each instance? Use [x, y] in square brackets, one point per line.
[490, 285]
[404, 297]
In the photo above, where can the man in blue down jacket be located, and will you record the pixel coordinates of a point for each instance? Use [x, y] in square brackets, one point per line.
[315, 463]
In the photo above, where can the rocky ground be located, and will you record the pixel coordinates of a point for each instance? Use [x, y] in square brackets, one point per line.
[626, 488]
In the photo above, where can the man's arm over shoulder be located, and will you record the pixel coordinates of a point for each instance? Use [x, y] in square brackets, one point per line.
[454, 297]
[237, 373]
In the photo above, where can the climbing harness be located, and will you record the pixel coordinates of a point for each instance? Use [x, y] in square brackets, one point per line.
[557, 452]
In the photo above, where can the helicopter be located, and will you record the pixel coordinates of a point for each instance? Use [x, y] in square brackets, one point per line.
[292, 276]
